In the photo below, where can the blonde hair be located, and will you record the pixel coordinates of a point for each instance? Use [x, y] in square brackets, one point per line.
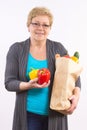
[39, 11]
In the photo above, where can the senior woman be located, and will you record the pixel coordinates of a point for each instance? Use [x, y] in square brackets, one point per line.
[32, 111]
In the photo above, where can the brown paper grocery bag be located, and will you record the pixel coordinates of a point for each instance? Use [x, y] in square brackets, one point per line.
[66, 74]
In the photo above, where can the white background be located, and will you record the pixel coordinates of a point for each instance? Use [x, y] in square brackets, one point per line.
[70, 28]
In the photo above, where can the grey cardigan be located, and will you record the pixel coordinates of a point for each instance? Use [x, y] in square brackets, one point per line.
[16, 62]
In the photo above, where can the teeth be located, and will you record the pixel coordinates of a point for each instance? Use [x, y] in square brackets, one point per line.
[39, 33]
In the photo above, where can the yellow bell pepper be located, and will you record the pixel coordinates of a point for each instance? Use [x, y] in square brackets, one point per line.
[33, 73]
[75, 59]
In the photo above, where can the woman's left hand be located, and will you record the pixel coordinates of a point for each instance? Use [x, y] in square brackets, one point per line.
[74, 101]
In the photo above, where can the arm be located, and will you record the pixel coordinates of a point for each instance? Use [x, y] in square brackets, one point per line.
[12, 71]
[32, 84]
[12, 80]
[74, 98]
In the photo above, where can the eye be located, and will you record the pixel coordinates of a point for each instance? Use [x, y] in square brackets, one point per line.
[45, 25]
[37, 24]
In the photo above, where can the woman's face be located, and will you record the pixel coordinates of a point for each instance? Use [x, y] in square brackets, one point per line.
[39, 28]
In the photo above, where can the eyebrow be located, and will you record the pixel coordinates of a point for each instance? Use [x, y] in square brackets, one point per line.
[40, 22]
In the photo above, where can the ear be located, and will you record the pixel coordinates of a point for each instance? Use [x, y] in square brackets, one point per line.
[28, 29]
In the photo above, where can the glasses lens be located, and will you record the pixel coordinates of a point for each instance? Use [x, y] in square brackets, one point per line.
[38, 25]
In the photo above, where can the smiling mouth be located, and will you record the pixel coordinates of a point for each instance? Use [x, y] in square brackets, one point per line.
[39, 33]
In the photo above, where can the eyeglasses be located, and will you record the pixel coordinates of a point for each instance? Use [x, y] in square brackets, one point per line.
[37, 25]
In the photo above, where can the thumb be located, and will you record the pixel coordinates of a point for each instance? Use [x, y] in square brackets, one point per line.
[72, 97]
[34, 80]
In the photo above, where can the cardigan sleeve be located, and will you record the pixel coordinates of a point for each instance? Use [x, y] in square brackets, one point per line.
[12, 71]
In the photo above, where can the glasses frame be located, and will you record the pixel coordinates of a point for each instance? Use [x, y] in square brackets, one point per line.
[37, 25]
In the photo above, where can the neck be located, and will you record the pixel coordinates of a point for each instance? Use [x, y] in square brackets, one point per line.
[38, 43]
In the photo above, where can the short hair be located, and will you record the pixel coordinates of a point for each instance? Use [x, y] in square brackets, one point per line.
[39, 11]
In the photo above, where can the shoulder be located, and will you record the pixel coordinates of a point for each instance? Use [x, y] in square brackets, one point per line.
[18, 46]
[57, 47]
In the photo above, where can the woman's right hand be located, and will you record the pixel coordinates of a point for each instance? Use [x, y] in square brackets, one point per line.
[33, 84]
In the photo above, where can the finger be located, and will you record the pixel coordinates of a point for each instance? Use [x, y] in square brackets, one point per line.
[72, 97]
[34, 80]
[44, 85]
[47, 83]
